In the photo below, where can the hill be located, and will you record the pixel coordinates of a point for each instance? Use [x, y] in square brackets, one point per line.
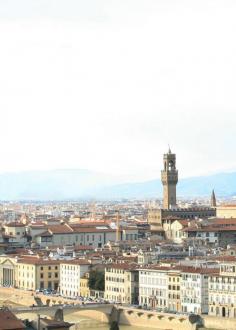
[84, 184]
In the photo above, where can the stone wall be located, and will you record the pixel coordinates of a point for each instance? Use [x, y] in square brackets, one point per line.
[219, 323]
[154, 320]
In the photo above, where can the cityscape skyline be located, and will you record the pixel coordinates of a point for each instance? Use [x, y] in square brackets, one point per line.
[118, 168]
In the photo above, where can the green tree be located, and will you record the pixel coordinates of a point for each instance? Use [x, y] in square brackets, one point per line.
[96, 280]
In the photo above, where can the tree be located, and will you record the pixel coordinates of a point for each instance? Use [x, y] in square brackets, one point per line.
[96, 280]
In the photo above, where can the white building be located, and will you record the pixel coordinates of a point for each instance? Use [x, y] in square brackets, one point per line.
[222, 290]
[153, 287]
[194, 289]
[71, 272]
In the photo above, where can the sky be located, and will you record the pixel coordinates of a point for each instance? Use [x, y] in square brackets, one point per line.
[106, 85]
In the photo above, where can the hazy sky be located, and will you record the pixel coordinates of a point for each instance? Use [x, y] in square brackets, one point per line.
[107, 84]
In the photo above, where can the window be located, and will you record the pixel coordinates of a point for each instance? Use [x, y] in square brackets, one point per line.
[49, 275]
[41, 275]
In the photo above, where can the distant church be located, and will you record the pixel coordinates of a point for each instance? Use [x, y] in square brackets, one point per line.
[170, 210]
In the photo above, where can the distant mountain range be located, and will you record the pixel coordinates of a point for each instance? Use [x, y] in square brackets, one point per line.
[84, 184]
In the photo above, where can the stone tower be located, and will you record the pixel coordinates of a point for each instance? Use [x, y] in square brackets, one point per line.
[213, 199]
[169, 178]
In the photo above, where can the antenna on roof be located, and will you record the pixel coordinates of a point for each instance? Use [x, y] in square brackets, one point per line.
[169, 151]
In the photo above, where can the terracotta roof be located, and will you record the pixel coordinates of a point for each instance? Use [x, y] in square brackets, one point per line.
[124, 266]
[183, 222]
[8, 321]
[75, 262]
[224, 258]
[223, 221]
[155, 267]
[210, 229]
[44, 234]
[35, 260]
[83, 247]
[15, 224]
[60, 229]
[37, 226]
[199, 270]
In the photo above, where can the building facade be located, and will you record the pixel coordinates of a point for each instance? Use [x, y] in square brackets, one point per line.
[71, 272]
[194, 289]
[222, 291]
[153, 287]
[122, 283]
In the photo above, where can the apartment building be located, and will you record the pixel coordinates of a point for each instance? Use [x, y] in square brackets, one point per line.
[153, 287]
[174, 282]
[122, 283]
[84, 286]
[71, 272]
[33, 272]
[222, 290]
[194, 289]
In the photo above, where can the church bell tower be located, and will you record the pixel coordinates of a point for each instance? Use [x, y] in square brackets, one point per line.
[169, 178]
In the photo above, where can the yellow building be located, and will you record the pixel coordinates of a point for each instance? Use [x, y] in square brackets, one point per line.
[84, 286]
[226, 211]
[121, 283]
[35, 273]
[174, 302]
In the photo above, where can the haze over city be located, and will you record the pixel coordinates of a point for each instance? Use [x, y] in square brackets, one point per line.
[106, 85]
[118, 164]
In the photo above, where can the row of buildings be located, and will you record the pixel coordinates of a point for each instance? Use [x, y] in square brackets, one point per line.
[58, 233]
[187, 286]
[184, 289]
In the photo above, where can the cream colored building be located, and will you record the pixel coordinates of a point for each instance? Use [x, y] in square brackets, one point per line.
[226, 211]
[174, 229]
[36, 273]
[222, 291]
[71, 272]
[174, 282]
[16, 231]
[121, 283]
[29, 272]
[84, 286]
